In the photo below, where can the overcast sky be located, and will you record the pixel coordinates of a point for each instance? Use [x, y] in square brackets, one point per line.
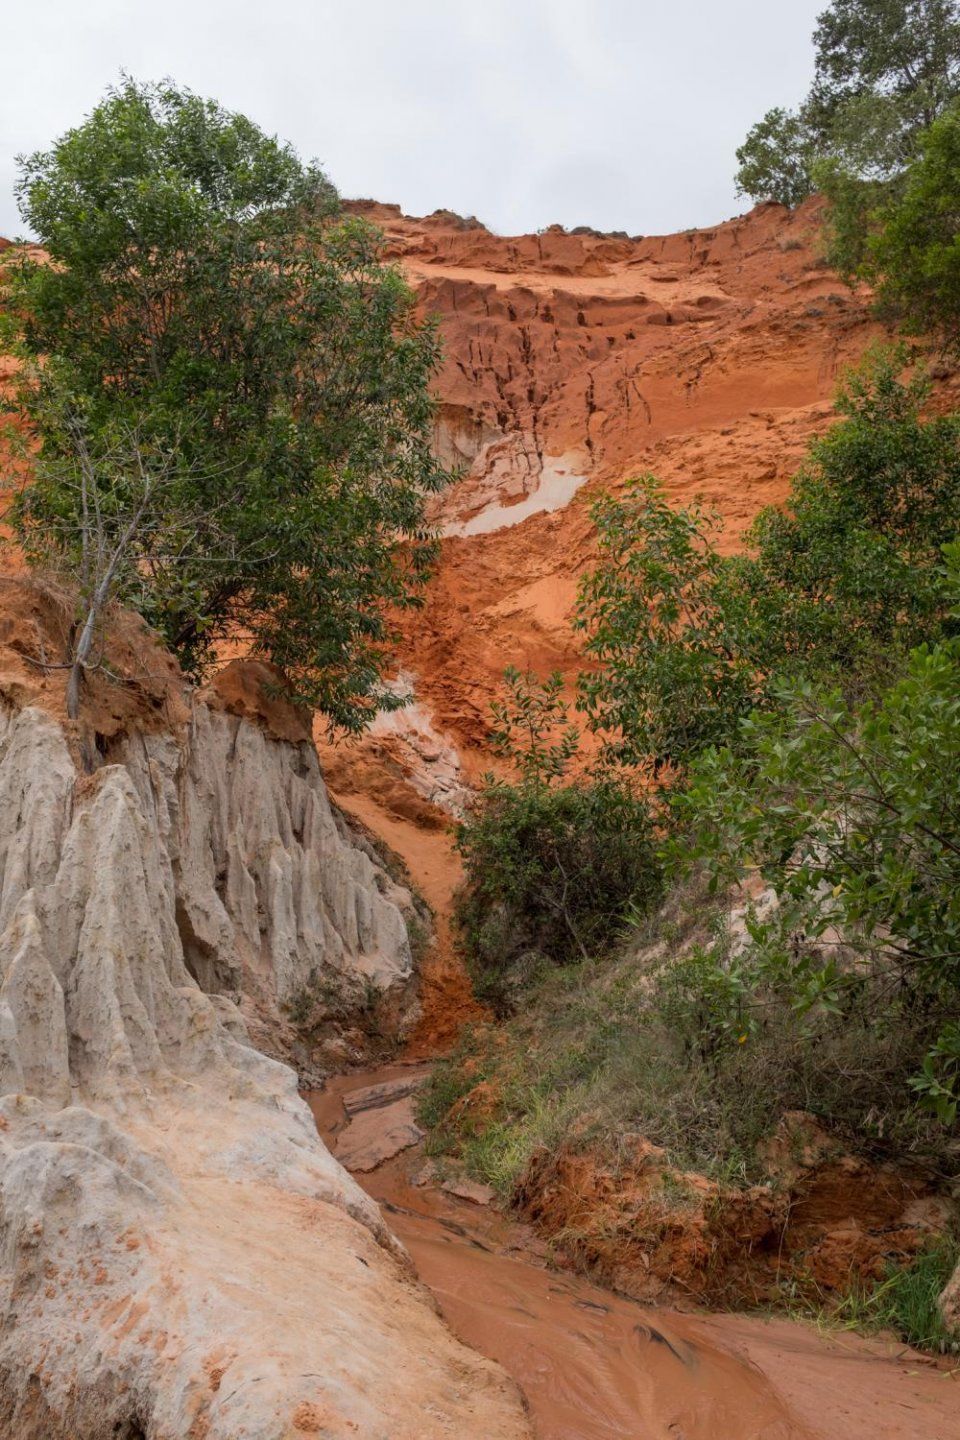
[621, 114]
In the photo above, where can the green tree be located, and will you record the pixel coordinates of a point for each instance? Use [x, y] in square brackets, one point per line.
[853, 819]
[837, 584]
[775, 161]
[913, 250]
[884, 70]
[908, 50]
[204, 294]
[667, 630]
[855, 552]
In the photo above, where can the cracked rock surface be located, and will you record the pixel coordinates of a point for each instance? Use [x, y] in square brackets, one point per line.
[180, 1256]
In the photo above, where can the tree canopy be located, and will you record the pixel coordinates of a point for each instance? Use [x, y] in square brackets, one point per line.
[204, 290]
[884, 70]
[911, 249]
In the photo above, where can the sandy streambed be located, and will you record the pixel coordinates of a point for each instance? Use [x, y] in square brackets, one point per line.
[593, 1366]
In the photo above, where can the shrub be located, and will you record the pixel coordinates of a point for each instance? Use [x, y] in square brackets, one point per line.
[551, 865]
[549, 874]
[906, 1301]
[650, 1039]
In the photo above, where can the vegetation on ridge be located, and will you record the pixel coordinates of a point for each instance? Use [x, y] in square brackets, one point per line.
[884, 70]
[878, 136]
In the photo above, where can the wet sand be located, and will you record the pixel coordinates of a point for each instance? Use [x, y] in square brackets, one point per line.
[594, 1366]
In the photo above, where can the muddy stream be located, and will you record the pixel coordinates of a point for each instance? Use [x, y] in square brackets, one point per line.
[594, 1366]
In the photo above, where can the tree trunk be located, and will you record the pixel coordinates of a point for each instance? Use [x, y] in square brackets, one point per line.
[84, 645]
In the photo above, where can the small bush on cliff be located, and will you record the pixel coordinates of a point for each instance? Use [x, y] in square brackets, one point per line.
[775, 161]
[204, 294]
[551, 865]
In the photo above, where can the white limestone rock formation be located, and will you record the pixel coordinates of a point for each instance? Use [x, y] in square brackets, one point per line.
[273, 894]
[180, 1256]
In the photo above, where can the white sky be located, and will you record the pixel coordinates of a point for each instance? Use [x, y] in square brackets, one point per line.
[621, 114]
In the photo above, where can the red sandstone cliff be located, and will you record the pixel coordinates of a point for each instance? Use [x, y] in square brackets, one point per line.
[572, 362]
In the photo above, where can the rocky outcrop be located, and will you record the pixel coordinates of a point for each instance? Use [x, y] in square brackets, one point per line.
[211, 856]
[179, 1254]
[381, 1123]
[274, 896]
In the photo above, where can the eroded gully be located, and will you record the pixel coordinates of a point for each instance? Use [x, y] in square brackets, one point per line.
[596, 1366]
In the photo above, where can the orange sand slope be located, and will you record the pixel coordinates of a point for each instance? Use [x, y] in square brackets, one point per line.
[572, 362]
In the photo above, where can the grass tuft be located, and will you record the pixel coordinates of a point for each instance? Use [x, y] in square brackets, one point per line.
[907, 1301]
